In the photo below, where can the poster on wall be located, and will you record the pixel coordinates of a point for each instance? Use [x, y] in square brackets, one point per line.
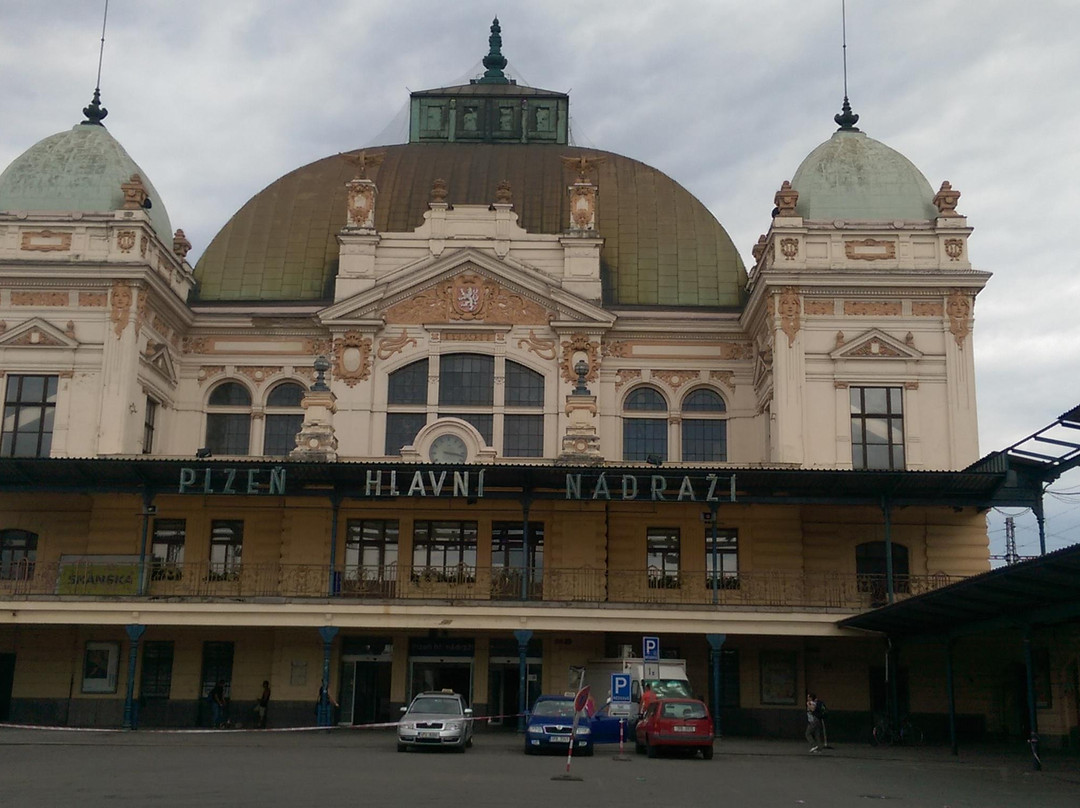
[779, 678]
[100, 664]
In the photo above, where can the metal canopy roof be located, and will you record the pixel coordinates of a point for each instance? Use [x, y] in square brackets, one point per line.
[1040, 591]
[544, 481]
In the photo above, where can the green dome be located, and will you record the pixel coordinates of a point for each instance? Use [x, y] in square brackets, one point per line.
[77, 170]
[662, 247]
[853, 177]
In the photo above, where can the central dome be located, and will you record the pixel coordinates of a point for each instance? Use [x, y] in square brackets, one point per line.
[662, 247]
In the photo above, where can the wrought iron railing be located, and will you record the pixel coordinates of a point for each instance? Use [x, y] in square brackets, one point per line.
[773, 589]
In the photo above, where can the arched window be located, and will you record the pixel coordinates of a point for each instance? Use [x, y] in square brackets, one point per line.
[18, 554]
[644, 434]
[704, 430]
[466, 389]
[284, 417]
[228, 420]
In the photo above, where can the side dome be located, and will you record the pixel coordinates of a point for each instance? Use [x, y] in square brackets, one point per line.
[662, 246]
[854, 177]
[80, 169]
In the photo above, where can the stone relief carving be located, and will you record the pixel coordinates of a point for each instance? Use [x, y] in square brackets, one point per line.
[360, 204]
[36, 337]
[579, 343]
[388, 346]
[93, 300]
[197, 345]
[143, 244]
[788, 308]
[314, 346]
[839, 339]
[258, 374]
[625, 376]
[140, 309]
[789, 248]
[121, 307]
[725, 377]
[469, 297]
[544, 348]
[207, 372]
[618, 348]
[920, 309]
[45, 241]
[180, 245]
[39, 299]
[819, 307]
[875, 347]
[125, 240]
[352, 358]
[958, 307]
[134, 193]
[69, 330]
[872, 308]
[786, 199]
[945, 200]
[954, 248]
[911, 385]
[870, 249]
[675, 378]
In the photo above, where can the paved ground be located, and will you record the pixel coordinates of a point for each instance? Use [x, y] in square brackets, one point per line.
[41, 768]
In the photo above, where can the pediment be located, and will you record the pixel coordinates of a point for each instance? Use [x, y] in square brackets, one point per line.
[158, 356]
[38, 333]
[874, 344]
[466, 286]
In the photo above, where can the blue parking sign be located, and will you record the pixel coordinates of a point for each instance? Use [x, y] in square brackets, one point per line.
[620, 687]
[650, 649]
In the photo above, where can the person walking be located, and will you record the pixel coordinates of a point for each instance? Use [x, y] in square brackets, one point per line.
[218, 705]
[261, 705]
[648, 696]
[814, 728]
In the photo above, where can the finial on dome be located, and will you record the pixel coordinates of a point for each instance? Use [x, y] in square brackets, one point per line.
[95, 113]
[846, 118]
[494, 61]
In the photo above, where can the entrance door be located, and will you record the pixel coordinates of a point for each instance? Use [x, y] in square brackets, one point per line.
[365, 691]
[504, 684]
[7, 680]
[216, 667]
[440, 674]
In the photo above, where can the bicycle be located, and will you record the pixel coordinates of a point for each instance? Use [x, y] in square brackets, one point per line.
[885, 733]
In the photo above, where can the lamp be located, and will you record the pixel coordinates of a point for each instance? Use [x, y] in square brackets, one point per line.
[654, 460]
[204, 452]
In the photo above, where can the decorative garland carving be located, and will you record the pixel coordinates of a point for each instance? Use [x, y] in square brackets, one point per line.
[579, 343]
[258, 374]
[788, 307]
[207, 372]
[314, 346]
[872, 308]
[469, 297]
[352, 358]
[958, 307]
[725, 377]
[544, 348]
[121, 307]
[196, 345]
[388, 346]
[37, 338]
[875, 347]
[675, 378]
[625, 376]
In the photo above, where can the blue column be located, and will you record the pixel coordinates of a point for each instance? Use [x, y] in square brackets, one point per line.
[716, 647]
[324, 713]
[523, 636]
[333, 586]
[131, 713]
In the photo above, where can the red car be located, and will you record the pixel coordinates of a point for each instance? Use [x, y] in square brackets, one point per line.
[683, 724]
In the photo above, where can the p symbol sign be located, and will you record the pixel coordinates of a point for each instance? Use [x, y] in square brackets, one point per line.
[620, 687]
[650, 649]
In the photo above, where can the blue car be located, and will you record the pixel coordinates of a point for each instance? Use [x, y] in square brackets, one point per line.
[550, 724]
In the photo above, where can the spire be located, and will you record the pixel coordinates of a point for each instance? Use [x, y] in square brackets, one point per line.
[846, 118]
[494, 61]
[95, 113]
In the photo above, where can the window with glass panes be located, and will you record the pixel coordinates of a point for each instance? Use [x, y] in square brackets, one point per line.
[371, 548]
[722, 558]
[149, 425]
[226, 544]
[644, 433]
[662, 557]
[18, 554]
[444, 550]
[284, 417]
[167, 549]
[157, 665]
[507, 549]
[704, 430]
[29, 411]
[877, 428]
[466, 389]
[228, 420]
[872, 570]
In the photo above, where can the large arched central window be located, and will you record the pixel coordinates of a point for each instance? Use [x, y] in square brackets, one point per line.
[463, 386]
[704, 432]
[284, 417]
[228, 420]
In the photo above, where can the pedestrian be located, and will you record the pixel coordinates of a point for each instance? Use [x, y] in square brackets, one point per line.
[261, 705]
[218, 705]
[648, 696]
[814, 727]
[325, 706]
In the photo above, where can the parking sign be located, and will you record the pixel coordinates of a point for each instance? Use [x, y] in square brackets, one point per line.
[650, 649]
[620, 687]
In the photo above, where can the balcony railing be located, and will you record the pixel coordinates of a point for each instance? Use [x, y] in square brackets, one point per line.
[200, 580]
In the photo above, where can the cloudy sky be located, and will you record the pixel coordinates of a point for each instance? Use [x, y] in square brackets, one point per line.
[216, 99]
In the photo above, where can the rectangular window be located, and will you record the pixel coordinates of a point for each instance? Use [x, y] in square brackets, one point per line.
[877, 428]
[217, 666]
[483, 422]
[409, 385]
[662, 557]
[523, 436]
[704, 440]
[444, 551]
[466, 380]
[228, 433]
[401, 429]
[507, 552]
[643, 437]
[29, 411]
[167, 550]
[722, 559]
[149, 424]
[157, 664]
[18, 554]
[371, 555]
[226, 543]
[279, 436]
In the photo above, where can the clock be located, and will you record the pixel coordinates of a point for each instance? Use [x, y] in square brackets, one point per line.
[448, 448]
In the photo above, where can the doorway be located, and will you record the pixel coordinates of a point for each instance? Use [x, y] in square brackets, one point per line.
[7, 681]
[365, 690]
[217, 665]
[439, 673]
[504, 687]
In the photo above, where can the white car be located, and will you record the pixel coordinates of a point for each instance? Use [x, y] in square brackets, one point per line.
[436, 718]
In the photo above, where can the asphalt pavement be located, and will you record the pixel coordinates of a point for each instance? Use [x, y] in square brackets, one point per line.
[362, 767]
